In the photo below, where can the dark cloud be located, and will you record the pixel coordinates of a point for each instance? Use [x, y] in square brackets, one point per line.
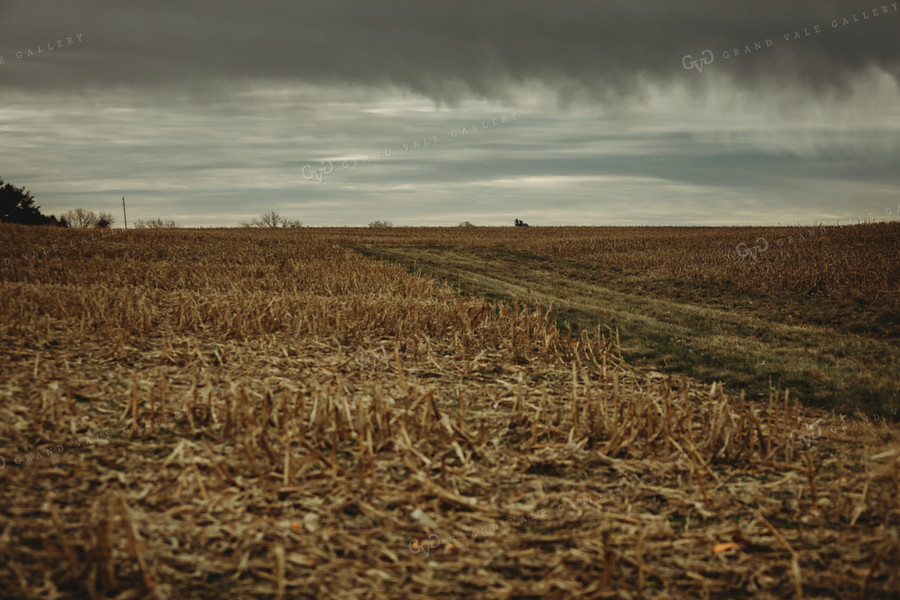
[583, 49]
[209, 112]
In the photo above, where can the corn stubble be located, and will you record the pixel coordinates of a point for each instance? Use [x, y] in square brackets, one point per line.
[336, 409]
[858, 263]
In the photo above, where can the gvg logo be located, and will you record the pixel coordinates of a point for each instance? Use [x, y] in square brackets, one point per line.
[813, 432]
[319, 174]
[743, 251]
[690, 63]
[432, 543]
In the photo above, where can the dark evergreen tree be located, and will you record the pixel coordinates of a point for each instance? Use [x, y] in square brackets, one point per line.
[104, 220]
[17, 206]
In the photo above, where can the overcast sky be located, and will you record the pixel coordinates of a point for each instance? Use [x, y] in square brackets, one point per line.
[647, 112]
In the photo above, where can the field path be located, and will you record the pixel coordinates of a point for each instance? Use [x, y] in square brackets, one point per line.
[715, 334]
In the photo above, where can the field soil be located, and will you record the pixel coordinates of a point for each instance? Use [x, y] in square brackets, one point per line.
[287, 414]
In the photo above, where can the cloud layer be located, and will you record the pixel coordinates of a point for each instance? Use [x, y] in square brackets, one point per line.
[448, 51]
[212, 112]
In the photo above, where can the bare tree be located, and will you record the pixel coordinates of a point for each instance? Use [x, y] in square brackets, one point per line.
[271, 219]
[155, 223]
[81, 219]
[465, 224]
[381, 223]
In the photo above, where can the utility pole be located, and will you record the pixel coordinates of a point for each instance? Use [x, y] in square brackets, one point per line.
[124, 213]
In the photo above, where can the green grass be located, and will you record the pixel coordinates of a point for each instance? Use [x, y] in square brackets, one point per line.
[831, 354]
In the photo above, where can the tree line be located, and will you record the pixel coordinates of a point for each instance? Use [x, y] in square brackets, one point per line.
[17, 206]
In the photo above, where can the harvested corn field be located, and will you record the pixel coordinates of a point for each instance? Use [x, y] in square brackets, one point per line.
[271, 414]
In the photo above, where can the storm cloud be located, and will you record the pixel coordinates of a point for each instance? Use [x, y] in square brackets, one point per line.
[648, 112]
[448, 51]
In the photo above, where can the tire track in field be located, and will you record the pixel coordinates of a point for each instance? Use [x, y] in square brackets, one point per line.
[743, 348]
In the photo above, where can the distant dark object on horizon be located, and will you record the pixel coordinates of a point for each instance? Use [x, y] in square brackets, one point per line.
[521, 223]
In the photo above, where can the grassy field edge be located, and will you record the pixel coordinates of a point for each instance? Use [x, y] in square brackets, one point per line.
[831, 354]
